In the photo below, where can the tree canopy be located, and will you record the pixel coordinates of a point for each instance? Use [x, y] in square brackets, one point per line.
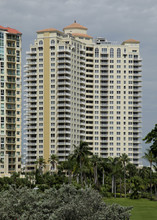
[151, 137]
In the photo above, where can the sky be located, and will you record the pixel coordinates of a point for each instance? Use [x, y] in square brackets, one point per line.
[116, 20]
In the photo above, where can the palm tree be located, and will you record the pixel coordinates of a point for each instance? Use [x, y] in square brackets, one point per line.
[53, 160]
[151, 137]
[95, 160]
[103, 165]
[144, 173]
[116, 168]
[42, 164]
[81, 153]
[149, 156]
[125, 160]
[69, 166]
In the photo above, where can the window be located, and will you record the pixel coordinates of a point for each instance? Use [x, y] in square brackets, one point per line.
[40, 42]
[52, 42]
[104, 50]
[96, 52]
[119, 52]
[61, 47]
[111, 53]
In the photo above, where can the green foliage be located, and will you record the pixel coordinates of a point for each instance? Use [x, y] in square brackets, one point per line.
[15, 180]
[66, 203]
[105, 192]
[151, 137]
[136, 187]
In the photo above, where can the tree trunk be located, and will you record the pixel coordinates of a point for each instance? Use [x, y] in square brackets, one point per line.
[77, 178]
[120, 187]
[114, 187]
[95, 175]
[103, 177]
[81, 173]
[112, 183]
[124, 182]
[155, 191]
[69, 178]
[151, 181]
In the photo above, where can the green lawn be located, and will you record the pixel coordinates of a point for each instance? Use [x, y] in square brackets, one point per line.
[143, 209]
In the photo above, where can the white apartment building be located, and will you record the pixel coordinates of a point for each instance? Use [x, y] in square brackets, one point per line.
[10, 101]
[78, 88]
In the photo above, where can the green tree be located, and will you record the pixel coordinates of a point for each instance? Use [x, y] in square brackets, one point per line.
[149, 156]
[95, 160]
[115, 164]
[69, 166]
[151, 137]
[144, 173]
[131, 170]
[81, 153]
[53, 160]
[125, 160]
[136, 184]
[104, 166]
[41, 163]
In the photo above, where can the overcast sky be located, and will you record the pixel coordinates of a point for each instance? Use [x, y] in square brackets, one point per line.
[116, 20]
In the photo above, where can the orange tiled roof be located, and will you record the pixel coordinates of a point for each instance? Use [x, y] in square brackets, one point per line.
[1, 27]
[75, 25]
[10, 30]
[131, 41]
[13, 31]
[81, 35]
[48, 30]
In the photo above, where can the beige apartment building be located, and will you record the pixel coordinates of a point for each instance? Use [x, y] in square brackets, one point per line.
[10, 101]
[80, 88]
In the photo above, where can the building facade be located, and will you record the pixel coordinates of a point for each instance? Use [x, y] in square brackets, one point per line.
[10, 90]
[78, 88]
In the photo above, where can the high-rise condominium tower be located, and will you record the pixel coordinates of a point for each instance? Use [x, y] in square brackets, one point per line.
[10, 100]
[80, 88]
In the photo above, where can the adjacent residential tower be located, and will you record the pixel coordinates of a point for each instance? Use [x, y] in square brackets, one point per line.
[10, 100]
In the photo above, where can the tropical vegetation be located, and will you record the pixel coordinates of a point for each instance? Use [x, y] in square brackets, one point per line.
[66, 203]
[82, 172]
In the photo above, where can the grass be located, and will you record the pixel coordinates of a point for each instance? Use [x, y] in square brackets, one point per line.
[143, 209]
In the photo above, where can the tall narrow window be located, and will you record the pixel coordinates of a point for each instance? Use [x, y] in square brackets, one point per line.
[40, 42]
[111, 53]
[52, 42]
[119, 52]
[96, 52]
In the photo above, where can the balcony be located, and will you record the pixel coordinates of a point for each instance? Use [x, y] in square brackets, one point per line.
[63, 55]
[63, 144]
[64, 110]
[64, 83]
[64, 61]
[64, 138]
[65, 71]
[30, 128]
[63, 50]
[64, 77]
[63, 126]
[31, 52]
[64, 67]
[30, 79]
[65, 99]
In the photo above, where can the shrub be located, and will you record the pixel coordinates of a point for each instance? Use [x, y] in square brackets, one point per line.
[66, 203]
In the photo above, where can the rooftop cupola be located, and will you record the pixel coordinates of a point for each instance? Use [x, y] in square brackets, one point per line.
[75, 28]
